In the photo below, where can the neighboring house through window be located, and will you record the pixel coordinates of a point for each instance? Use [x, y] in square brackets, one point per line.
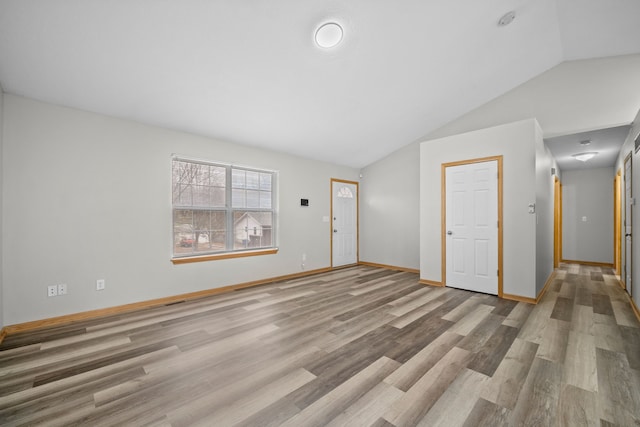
[220, 208]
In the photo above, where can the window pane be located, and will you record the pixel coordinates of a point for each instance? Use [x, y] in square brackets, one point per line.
[265, 199]
[218, 176]
[201, 196]
[252, 229]
[265, 181]
[238, 197]
[183, 230]
[180, 172]
[183, 194]
[253, 199]
[201, 220]
[218, 197]
[201, 174]
[216, 237]
[253, 180]
[238, 178]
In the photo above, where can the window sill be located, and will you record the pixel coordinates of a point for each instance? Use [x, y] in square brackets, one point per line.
[226, 255]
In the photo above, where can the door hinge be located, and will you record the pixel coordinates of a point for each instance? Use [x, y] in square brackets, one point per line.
[497, 272]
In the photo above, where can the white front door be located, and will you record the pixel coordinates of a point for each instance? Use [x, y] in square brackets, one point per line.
[471, 226]
[628, 194]
[344, 223]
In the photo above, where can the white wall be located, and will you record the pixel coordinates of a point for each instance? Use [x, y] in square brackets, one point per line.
[628, 147]
[516, 142]
[544, 211]
[390, 207]
[587, 193]
[89, 198]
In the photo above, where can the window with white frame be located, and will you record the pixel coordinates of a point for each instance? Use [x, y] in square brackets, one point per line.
[220, 208]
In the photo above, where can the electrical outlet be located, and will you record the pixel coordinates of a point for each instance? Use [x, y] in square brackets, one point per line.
[62, 289]
[100, 285]
[52, 291]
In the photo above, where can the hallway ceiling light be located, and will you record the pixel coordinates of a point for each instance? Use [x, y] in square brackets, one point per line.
[583, 157]
[329, 35]
[585, 142]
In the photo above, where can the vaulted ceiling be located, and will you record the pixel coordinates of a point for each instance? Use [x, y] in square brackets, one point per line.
[250, 71]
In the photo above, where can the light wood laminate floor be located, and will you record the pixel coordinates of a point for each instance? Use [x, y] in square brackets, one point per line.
[354, 347]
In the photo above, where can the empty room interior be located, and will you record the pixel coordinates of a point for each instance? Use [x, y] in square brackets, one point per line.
[319, 213]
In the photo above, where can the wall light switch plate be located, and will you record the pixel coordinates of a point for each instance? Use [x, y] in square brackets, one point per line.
[62, 289]
[100, 285]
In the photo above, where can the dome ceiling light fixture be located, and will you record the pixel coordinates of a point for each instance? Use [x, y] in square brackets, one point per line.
[585, 142]
[329, 35]
[506, 19]
[583, 157]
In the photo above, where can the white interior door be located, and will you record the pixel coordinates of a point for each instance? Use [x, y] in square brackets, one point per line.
[344, 223]
[627, 223]
[472, 226]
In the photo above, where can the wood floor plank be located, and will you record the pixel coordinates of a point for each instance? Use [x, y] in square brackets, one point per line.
[487, 414]
[624, 315]
[369, 408]
[339, 399]
[457, 402]
[602, 304]
[419, 399]
[242, 408]
[553, 346]
[577, 407]
[491, 354]
[582, 320]
[412, 370]
[608, 336]
[538, 400]
[533, 329]
[507, 381]
[415, 314]
[616, 388]
[518, 315]
[466, 324]
[580, 368]
[563, 309]
[631, 344]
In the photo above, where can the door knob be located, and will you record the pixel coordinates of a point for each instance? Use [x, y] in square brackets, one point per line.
[335, 231]
[449, 232]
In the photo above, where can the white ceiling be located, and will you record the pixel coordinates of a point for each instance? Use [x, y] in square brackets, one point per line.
[250, 72]
[606, 142]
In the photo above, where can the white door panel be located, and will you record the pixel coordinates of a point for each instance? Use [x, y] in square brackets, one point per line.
[472, 226]
[344, 223]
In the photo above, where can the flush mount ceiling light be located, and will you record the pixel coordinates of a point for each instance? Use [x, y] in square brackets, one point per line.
[583, 157]
[585, 142]
[506, 19]
[329, 35]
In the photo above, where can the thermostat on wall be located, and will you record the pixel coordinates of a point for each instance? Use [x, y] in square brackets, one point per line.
[304, 202]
